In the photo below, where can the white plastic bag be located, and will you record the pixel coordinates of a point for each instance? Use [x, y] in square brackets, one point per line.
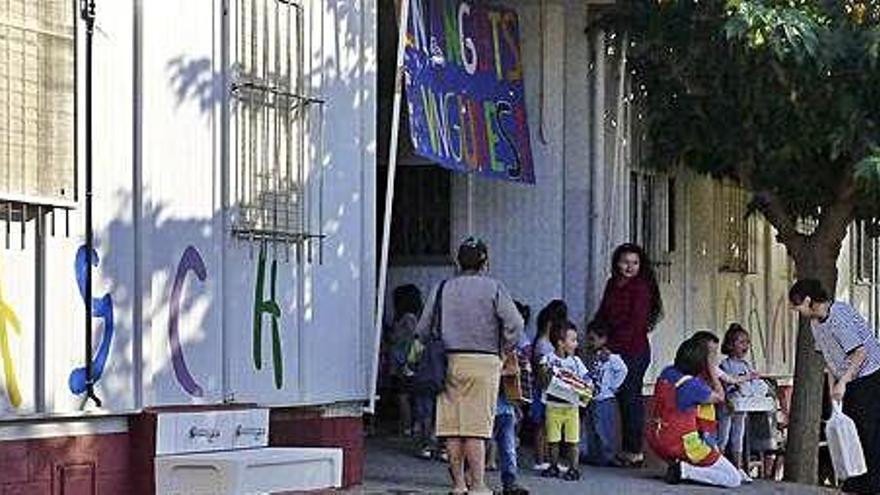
[844, 445]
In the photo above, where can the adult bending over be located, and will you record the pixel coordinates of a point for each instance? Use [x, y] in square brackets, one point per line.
[852, 357]
[631, 306]
[479, 321]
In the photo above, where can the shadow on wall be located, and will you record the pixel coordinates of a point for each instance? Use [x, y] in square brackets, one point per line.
[172, 249]
[335, 190]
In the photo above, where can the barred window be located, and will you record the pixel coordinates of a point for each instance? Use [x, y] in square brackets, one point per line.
[652, 218]
[738, 248]
[865, 249]
[275, 121]
[37, 98]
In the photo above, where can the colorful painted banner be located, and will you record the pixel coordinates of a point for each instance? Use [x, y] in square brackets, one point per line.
[464, 88]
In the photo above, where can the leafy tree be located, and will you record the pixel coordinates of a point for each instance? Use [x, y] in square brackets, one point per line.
[784, 97]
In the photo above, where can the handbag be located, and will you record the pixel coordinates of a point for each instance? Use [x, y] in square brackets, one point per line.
[511, 378]
[430, 372]
[844, 446]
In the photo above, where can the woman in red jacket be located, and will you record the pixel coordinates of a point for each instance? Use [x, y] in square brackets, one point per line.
[631, 306]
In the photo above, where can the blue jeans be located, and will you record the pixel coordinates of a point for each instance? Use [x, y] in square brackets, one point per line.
[505, 437]
[424, 410]
[598, 433]
[632, 404]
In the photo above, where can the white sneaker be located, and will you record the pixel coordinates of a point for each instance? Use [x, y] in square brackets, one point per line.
[745, 477]
[541, 467]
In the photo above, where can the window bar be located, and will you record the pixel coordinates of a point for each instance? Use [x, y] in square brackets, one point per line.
[277, 107]
[320, 162]
[304, 126]
[52, 213]
[8, 224]
[241, 113]
[252, 138]
[23, 223]
[264, 119]
[288, 156]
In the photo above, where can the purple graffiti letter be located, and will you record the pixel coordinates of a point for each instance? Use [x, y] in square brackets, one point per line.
[191, 260]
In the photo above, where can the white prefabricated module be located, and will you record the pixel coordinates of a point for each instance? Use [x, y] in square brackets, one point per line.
[226, 453]
[249, 472]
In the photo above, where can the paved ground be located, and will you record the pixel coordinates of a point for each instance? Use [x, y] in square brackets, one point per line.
[391, 468]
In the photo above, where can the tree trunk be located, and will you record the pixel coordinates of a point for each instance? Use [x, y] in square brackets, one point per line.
[818, 260]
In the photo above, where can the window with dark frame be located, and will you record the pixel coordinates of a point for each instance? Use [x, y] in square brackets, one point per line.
[738, 248]
[422, 217]
[865, 252]
[653, 217]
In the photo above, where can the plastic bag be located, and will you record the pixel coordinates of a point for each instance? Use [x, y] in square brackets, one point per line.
[844, 446]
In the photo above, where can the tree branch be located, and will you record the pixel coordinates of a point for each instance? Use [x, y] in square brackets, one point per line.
[835, 219]
[771, 206]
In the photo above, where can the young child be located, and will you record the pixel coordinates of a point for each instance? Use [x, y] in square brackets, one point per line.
[672, 425]
[607, 372]
[554, 313]
[732, 425]
[571, 378]
[407, 301]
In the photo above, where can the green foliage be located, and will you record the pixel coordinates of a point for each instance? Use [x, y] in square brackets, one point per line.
[782, 94]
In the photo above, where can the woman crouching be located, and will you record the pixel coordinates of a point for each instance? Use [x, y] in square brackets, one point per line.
[672, 427]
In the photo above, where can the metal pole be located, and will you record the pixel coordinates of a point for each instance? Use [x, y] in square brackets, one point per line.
[88, 15]
[389, 199]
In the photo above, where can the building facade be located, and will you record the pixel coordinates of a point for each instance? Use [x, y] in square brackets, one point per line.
[234, 179]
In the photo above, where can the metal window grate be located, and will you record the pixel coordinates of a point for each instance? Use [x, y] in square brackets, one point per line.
[652, 218]
[866, 251]
[274, 119]
[739, 235]
[422, 217]
[37, 101]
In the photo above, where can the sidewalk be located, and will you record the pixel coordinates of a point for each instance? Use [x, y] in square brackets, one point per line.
[391, 468]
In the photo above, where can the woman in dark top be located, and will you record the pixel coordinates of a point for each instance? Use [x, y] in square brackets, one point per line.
[631, 306]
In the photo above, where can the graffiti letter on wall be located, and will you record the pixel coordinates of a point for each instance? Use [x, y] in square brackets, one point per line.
[270, 307]
[101, 308]
[7, 315]
[191, 260]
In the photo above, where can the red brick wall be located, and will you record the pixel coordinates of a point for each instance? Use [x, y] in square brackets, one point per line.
[306, 428]
[87, 465]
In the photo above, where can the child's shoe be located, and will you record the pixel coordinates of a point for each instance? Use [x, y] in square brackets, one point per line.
[673, 473]
[425, 453]
[572, 475]
[551, 472]
[514, 489]
[540, 467]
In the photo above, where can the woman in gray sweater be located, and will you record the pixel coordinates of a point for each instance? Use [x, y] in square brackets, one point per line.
[479, 320]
